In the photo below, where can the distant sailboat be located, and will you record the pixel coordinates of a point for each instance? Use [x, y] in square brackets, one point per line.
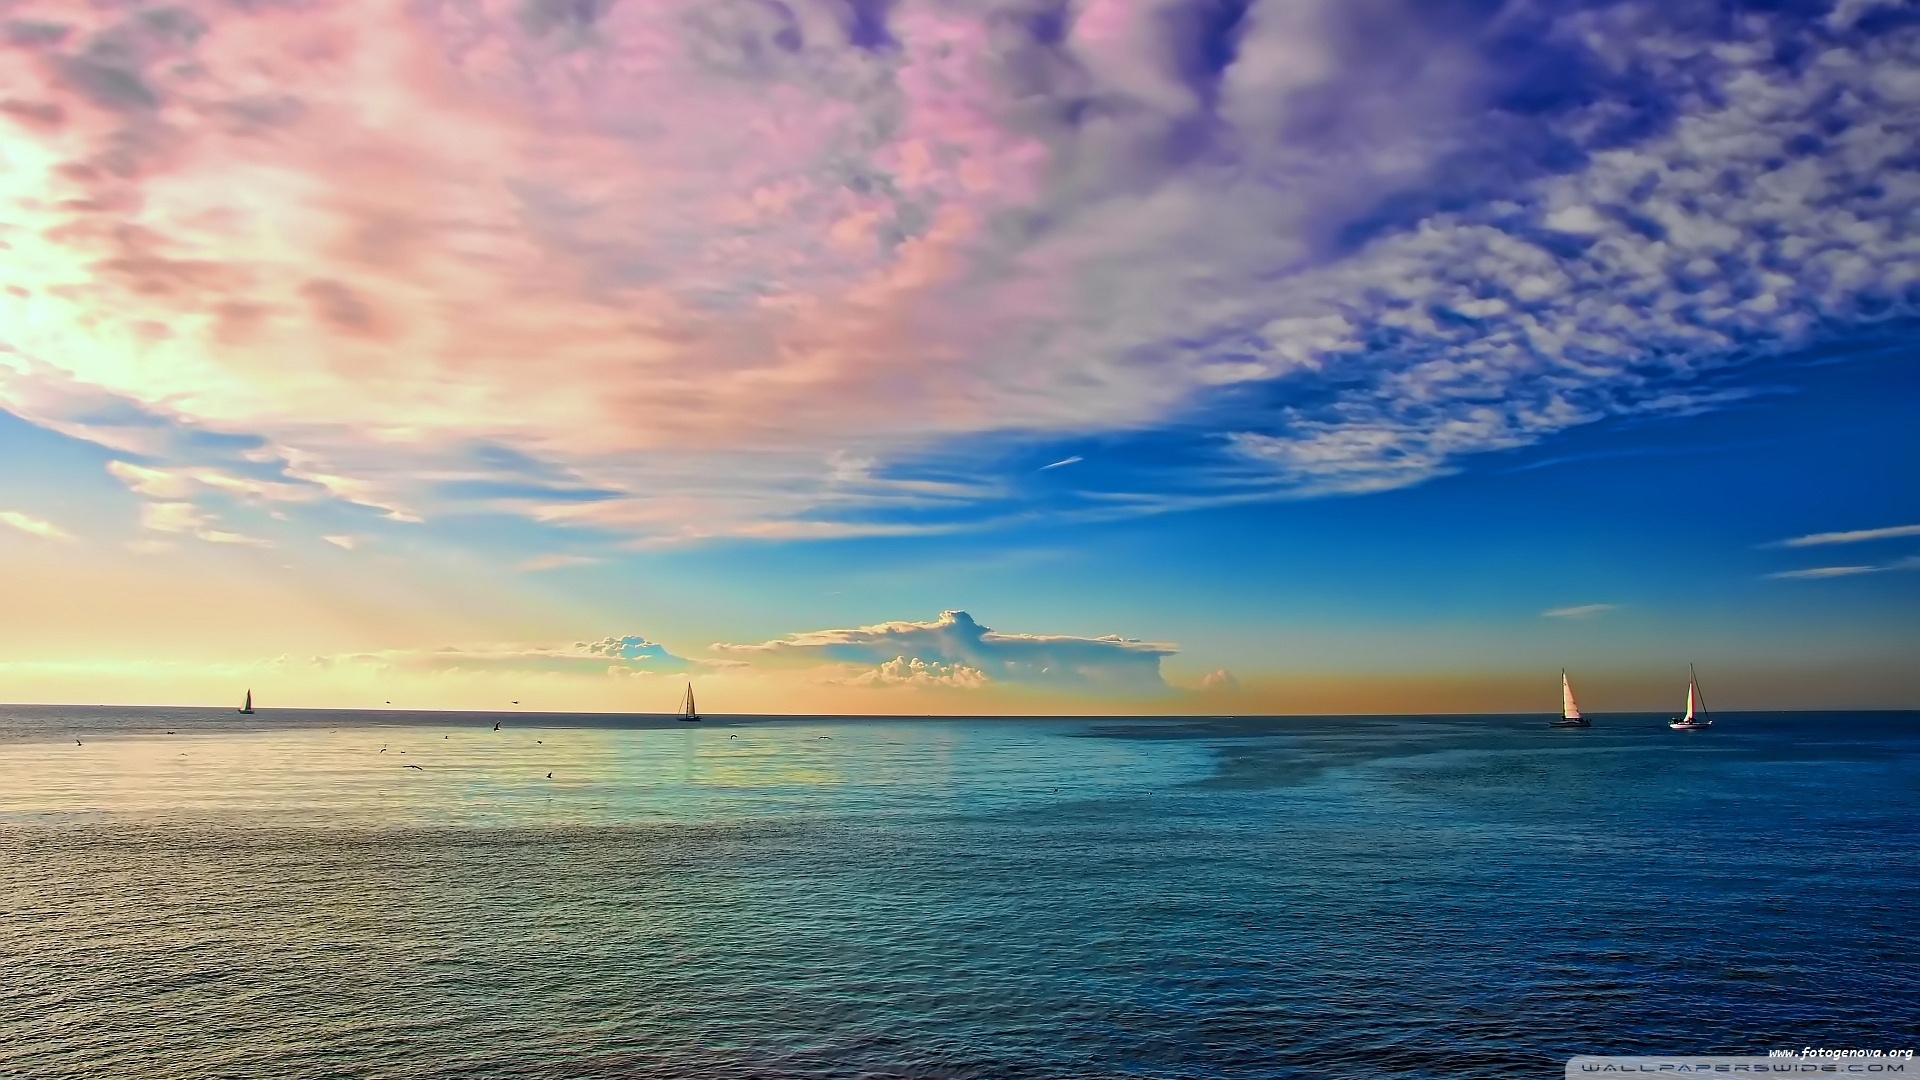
[248, 707]
[1696, 718]
[687, 711]
[1569, 710]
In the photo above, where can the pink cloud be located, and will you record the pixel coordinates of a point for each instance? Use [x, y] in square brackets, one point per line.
[692, 250]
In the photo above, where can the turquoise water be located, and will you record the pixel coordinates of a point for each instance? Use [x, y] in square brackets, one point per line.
[1382, 897]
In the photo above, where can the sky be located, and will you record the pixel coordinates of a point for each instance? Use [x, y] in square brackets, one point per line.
[960, 356]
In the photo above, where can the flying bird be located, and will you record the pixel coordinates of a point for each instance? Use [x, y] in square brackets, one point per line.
[412, 767]
[496, 725]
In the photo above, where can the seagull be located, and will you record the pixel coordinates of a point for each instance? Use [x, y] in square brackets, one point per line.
[829, 738]
[77, 742]
[549, 776]
[383, 749]
[516, 703]
[412, 767]
[733, 736]
[496, 725]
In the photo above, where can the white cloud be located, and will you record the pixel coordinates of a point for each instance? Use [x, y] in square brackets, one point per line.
[1578, 611]
[913, 671]
[1817, 572]
[342, 541]
[955, 640]
[1074, 460]
[33, 526]
[1855, 536]
[1910, 562]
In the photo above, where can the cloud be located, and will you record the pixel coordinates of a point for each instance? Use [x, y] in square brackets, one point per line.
[182, 483]
[1075, 459]
[691, 259]
[1910, 562]
[628, 655]
[1854, 537]
[1218, 680]
[343, 541]
[180, 517]
[556, 562]
[1578, 611]
[912, 671]
[956, 647]
[34, 526]
[1817, 572]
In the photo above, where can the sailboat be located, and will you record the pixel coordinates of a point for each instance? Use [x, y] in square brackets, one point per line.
[1696, 718]
[248, 707]
[687, 711]
[1569, 710]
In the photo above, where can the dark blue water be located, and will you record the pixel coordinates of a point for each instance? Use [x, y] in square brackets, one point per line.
[1387, 897]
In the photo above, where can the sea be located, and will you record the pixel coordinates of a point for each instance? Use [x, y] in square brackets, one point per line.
[307, 894]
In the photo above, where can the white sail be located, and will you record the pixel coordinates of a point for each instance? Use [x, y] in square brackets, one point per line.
[686, 707]
[1693, 696]
[1568, 707]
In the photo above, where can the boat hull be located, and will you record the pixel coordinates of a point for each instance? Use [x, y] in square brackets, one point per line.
[1571, 723]
[1682, 725]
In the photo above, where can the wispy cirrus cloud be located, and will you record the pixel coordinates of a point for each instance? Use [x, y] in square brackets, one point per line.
[672, 266]
[1911, 562]
[1816, 573]
[1856, 536]
[631, 654]
[1577, 611]
[182, 517]
[34, 526]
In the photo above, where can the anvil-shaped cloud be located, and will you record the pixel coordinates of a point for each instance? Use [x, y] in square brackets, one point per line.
[955, 650]
[681, 267]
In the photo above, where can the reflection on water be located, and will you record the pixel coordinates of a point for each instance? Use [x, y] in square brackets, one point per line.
[1463, 898]
[469, 774]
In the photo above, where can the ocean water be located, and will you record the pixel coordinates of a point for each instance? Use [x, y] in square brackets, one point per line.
[198, 894]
